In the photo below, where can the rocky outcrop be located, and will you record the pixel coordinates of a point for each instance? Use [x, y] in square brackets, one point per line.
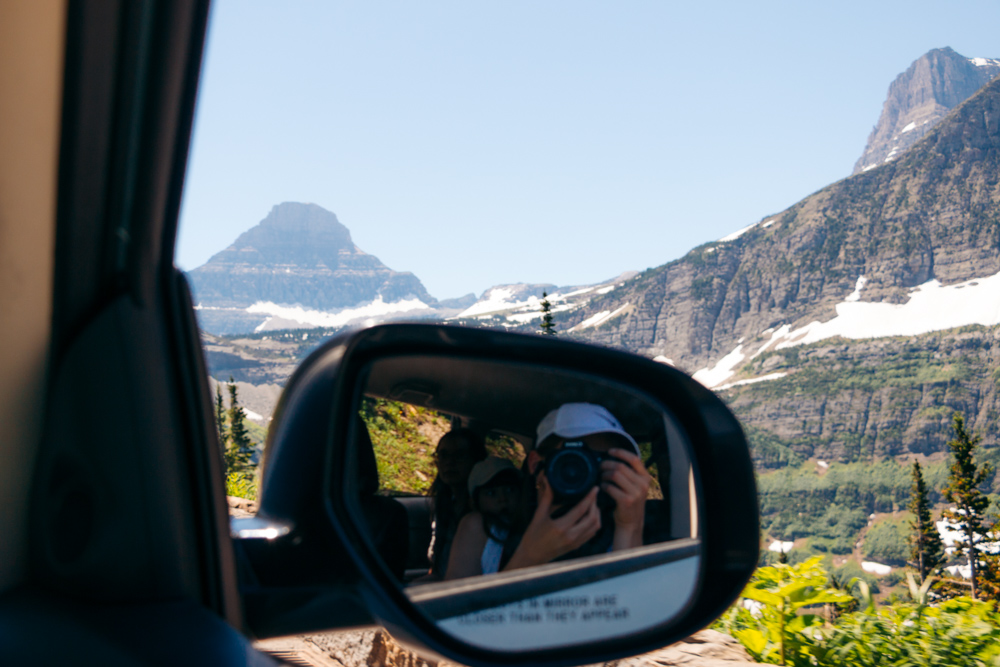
[376, 648]
[707, 648]
[919, 98]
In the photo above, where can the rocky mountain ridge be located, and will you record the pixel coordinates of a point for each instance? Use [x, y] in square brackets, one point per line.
[930, 215]
[299, 269]
[860, 290]
[919, 98]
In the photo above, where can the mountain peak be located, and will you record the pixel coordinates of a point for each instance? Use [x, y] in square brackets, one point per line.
[933, 85]
[301, 256]
[292, 233]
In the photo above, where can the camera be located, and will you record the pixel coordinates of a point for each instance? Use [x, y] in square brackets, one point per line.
[574, 470]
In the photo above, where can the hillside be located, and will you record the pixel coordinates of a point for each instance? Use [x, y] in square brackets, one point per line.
[866, 400]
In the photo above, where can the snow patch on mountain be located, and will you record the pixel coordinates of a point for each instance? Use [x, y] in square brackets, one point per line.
[858, 286]
[875, 568]
[298, 317]
[738, 233]
[498, 299]
[722, 371]
[600, 318]
[740, 383]
[522, 302]
[778, 546]
[931, 307]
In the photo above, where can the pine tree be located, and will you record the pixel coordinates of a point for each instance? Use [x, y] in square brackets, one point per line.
[989, 576]
[548, 326]
[239, 447]
[220, 418]
[964, 479]
[926, 550]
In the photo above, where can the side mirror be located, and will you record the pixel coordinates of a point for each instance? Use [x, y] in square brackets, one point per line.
[539, 565]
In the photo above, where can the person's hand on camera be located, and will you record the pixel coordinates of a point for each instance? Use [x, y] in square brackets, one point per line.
[546, 538]
[627, 481]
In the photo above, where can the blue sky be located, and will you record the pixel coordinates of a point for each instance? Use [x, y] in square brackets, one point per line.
[477, 143]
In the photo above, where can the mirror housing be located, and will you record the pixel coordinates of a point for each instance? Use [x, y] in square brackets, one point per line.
[307, 565]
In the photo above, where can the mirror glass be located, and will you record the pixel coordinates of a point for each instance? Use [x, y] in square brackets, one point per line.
[522, 506]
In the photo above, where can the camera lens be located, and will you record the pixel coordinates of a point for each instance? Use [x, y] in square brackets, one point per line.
[571, 473]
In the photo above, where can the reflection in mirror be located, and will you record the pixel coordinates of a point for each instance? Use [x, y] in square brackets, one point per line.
[521, 506]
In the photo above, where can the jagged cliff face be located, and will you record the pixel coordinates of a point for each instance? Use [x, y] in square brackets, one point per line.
[919, 98]
[298, 257]
[842, 400]
[931, 214]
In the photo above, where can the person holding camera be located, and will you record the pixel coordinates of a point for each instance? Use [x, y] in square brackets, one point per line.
[589, 489]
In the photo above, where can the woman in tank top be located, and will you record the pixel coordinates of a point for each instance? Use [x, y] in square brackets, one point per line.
[479, 540]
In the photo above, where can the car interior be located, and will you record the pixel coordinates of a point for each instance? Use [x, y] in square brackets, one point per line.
[509, 406]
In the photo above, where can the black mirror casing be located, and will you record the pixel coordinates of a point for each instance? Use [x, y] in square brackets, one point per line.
[319, 539]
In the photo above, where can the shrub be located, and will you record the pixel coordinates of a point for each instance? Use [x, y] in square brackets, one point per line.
[779, 629]
[847, 576]
[241, 485]
[886, 542]
[961, 631]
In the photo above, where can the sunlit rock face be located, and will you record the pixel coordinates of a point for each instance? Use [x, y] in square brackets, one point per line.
[919, 98]
[851, 324]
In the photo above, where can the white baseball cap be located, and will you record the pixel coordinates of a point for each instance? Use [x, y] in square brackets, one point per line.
[487, 469]
[576, 420]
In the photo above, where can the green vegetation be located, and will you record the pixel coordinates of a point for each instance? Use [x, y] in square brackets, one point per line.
[964, 479]
[238, 449]
[548, 326]
[237, 437]
[799, 502]
[849, 578]
[701, 288]
[926, 549]
[220, 418]
[405, 436]
[774, 630]
[958, 632]
[900, 368]
[241, 485]
[887, 542]
[770, 451]
[783, 624]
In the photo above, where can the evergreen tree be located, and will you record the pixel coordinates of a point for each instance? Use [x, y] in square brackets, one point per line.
[548, 326]
[239, 447]
[220, 418]
[964, 480]
[926, 549]
[989, 575]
